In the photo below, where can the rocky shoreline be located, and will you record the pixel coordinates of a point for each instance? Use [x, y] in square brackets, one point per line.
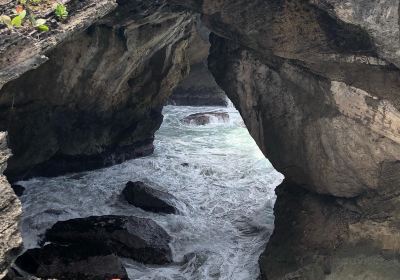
[316, 83]
[92, 247]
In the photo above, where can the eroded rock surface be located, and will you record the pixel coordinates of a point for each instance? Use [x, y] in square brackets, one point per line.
[98, 99]
[10, 211]
[323, 237]
[86, 94]
[330, 138]
[317, 84]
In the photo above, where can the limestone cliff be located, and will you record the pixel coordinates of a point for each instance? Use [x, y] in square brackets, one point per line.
[98, 98]
[86, 94]
[317, 84]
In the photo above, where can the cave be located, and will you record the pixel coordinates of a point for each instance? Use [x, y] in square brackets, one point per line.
[316, 84]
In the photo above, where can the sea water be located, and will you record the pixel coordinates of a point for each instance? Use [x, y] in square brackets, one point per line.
[224, 185]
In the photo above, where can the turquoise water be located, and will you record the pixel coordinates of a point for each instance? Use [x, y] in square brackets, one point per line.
[226, 196]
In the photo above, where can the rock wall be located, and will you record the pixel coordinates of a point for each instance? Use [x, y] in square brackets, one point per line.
[199, 87]
[317, 84]
[10, 238]
[333, 143]
[98, 99]
[325, 135]
[86, 94]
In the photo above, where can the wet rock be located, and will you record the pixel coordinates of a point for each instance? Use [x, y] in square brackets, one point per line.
[18, 189]
[147, 198]
[84, 260]
[324, 237]
[307, 227]
[138, 238]
[206, 118]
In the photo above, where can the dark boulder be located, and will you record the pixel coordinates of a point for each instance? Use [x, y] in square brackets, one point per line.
[18, 189]
[137, 238]
[147, 198]
[206, 118]
[85, 260]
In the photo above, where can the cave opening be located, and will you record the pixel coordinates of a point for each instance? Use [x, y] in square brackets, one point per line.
[217, 183]
[222, 189]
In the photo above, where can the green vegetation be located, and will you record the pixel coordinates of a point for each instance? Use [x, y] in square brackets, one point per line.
[61, 11]
[23, 15]
[16, 20]
[21, 12]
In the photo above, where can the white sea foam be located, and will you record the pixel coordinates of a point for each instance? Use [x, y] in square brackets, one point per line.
[226, 194]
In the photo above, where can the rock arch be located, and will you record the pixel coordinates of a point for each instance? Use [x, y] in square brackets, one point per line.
[316, 82]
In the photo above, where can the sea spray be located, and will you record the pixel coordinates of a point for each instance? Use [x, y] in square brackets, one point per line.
[223, 182]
